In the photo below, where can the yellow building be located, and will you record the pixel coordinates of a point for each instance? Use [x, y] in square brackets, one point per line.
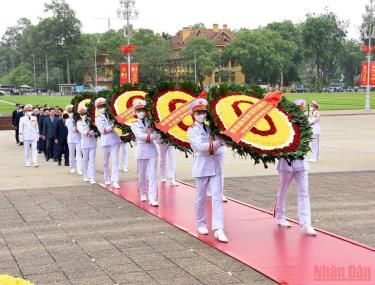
[229, 73]
[104, 68]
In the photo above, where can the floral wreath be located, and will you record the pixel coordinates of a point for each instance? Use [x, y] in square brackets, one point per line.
[295, 125]
[110, 105]
[152, 98]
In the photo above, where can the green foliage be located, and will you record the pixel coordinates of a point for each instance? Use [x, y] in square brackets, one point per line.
[263, 54]
[206, 54]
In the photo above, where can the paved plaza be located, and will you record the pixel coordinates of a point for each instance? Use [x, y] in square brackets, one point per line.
[54, 229]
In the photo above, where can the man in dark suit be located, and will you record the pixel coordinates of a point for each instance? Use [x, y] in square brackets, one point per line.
[61, 140]
[40, 119]
[41, 126]
[49, 126]
[14, 115]
[19, 115]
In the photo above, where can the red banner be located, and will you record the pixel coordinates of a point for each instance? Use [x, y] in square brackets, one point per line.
[364, 73]
[127, 49]
[133, 73]
[366, 49]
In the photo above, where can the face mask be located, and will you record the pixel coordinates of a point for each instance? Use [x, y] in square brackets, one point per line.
[102, 110]
[70, 115]
[29, 113]
[200, 118]
[84, 117]
[141, 115]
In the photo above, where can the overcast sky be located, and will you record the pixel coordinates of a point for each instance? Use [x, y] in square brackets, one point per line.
[171, 15]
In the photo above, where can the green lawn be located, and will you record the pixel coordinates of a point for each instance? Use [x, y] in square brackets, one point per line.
[327, 101]
[60, 101]
[335, 101]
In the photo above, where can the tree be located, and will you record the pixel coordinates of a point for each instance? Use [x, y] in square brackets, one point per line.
[151, 52]
[263, 54]
[350, 60]
[197, 26]
[323, 38]
[206, 54]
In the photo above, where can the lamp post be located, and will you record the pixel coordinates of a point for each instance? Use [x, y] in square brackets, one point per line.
[369, 34]
[127, 12]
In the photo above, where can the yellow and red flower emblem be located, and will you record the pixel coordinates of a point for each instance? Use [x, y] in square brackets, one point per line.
[273, 134]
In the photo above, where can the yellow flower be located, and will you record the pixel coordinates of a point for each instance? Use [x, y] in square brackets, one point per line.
[9, 280]
[163, 111]
[121, 103]
[282, 137]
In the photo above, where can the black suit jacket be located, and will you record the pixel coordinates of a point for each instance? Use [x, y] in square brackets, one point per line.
[49, 127]
[14, 114]
[18, 117]
[61, 131]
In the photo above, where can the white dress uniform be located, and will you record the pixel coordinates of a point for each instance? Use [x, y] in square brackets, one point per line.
[314, 120]
[124, 157]
[110, 143]
[88, 147]
[207, 175]
[167, 162]
[29, 135]
[298, 171]
[146, 155]
[74, 144]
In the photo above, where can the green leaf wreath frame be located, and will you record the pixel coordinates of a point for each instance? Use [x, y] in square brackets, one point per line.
[295, 115]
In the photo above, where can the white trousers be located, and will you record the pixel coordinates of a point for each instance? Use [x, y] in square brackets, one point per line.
[314, 145]
[167, 161]
[124, 156]
[89, 163]
[147, 168]
[33, 155]
[111, 151]
[214, 184]
[301, 178]
[75, 156]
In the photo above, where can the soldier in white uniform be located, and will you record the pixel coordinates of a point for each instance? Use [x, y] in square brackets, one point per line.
[298, 171]
[88, 146]
[29, 135]
[146, 155]
[110, 143]
[221, 158]
[206, 171]
[167, 164]
[124, 157]
[314, 120]
[74, 142]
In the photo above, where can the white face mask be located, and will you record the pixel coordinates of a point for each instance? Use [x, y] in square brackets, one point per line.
[84, 116]
[29, 113]
[141, 115]
[70, 115]
[102, 110]
[200, 118]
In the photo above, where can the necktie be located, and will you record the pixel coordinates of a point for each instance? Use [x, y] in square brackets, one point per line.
[205, 128]
[144, 123]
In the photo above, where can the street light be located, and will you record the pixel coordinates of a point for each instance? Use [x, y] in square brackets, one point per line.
[127, 12]
[369, 35]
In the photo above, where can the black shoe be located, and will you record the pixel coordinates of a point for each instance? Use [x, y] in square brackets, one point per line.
[39, 151]
[20, 144]
[59, 163]
[66, 163]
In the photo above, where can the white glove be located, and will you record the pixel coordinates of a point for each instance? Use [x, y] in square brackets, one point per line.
[155, 137]
[20, 137]
[92, 133]
[108, 129]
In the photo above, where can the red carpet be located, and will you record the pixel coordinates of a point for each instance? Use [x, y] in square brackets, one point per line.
[285, 255]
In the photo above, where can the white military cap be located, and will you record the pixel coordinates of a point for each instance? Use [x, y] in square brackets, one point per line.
[70, 106]
[315, 103]
[199, 104]
[82, 109]
[139, 104]
[100, 101]
[28, 106]
[300, 102]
